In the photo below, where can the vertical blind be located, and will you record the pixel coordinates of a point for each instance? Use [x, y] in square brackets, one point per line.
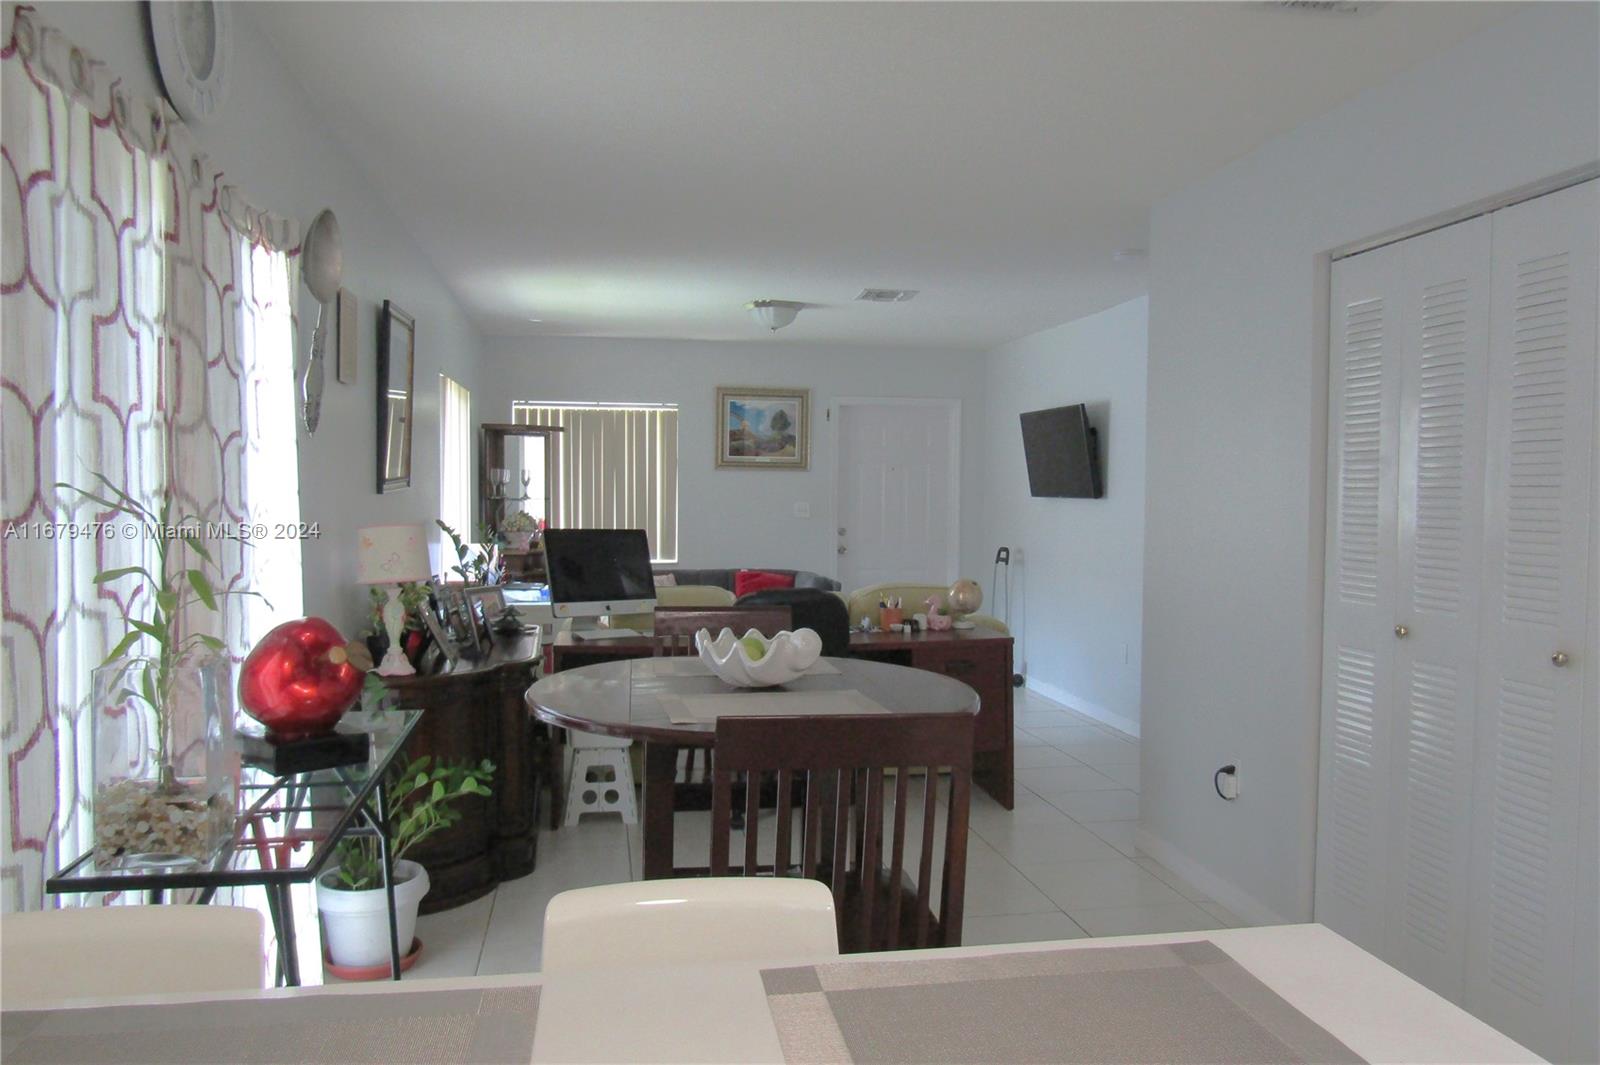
[455, 457]
[616, 468]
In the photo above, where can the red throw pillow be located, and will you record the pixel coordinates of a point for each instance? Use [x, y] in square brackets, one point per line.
[746, 581]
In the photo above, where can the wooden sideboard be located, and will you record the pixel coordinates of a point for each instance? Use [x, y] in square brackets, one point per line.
[978, 657]
[474, 710]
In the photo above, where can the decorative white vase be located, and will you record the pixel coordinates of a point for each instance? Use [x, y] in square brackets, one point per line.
[784, 657]
[355, 924]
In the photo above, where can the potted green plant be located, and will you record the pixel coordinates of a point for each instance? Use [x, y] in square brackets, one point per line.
[519, 530]
[162, 720]
[423, 797]
[474, 565]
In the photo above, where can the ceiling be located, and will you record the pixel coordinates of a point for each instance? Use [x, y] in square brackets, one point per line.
[644, 170]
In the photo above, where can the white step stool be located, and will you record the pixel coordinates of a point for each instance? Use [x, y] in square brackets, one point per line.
[601, 778]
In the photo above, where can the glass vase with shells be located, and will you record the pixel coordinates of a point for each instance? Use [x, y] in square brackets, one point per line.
[165, 766]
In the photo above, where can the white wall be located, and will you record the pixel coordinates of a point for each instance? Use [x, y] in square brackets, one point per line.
[746, 517]
[1237, 423]
[269, 140]
[1079, 578]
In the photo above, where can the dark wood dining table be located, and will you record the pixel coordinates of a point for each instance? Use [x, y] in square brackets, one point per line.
[625, 699]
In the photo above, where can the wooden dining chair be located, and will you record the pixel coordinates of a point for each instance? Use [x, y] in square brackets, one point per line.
[688, 620]
[854, 824]
[675, 628]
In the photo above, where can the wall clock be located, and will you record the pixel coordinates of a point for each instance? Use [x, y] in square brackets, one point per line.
[194, 42]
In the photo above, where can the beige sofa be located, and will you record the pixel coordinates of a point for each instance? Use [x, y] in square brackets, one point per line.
[863, 603]
[674, 595]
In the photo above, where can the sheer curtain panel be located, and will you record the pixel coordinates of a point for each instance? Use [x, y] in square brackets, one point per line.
[147, 337]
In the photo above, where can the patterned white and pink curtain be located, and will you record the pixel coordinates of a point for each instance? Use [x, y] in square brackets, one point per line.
[147, 336]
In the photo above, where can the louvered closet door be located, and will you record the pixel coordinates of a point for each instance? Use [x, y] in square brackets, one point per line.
[1533, 722]
[1358, 645]
[1443, 356]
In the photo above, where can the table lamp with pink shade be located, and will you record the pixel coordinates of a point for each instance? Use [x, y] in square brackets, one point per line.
[393, 555]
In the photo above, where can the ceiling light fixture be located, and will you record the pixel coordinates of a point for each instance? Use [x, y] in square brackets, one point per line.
[774, 314]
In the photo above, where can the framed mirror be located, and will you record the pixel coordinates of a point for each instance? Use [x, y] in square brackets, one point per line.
[397, 357]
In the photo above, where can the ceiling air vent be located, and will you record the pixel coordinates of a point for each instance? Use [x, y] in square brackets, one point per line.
[1323, 7]
[886, 295]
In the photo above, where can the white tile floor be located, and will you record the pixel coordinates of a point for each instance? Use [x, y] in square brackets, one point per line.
[1062, 865]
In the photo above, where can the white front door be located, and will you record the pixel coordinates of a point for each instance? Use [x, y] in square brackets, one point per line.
[898, 508]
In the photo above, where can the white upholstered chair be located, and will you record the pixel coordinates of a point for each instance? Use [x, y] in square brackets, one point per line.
[52, 956]
[689, 920]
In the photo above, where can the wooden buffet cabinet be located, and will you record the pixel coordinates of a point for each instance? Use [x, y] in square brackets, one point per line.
[474, 710]
[980, 658]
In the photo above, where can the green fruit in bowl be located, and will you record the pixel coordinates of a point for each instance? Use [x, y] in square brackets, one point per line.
[754, 647]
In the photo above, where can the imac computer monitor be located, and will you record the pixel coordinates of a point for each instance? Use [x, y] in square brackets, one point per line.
[595, 572]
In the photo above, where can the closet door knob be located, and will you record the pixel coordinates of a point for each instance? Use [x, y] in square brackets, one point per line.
[1560, 658]
[1401, 631]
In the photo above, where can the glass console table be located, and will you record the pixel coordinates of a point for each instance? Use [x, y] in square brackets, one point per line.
[285, 833]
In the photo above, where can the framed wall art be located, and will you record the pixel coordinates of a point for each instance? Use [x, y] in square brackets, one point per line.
[763, 428]
[397, 354]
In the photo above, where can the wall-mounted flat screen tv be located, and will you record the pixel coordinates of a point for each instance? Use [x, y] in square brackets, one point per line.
[1063, 453]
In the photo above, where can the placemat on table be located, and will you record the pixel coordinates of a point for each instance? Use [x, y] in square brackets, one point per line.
[460, 1027]
[702, 709]
[679, 666]
[1158, 1002]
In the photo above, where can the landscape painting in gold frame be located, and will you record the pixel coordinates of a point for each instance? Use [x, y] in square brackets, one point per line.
[763, 428]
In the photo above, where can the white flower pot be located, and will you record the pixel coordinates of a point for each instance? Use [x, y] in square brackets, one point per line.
[355, 924]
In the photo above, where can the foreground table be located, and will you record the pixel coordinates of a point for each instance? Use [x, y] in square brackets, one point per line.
[711, 1012]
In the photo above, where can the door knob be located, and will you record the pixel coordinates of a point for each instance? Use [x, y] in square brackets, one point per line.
[1560, 658]
[1401, 631]
[843, 549]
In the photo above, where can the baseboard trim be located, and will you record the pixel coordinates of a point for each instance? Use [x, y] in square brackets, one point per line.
[1084, 706]
[1232, 898]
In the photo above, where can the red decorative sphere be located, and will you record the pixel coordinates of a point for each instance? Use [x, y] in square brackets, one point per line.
[298, 681]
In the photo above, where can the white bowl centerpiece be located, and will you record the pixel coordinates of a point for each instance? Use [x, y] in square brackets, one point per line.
[756, 661]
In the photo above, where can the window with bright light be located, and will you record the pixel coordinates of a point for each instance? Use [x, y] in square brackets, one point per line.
[616, 467]
[455, 457]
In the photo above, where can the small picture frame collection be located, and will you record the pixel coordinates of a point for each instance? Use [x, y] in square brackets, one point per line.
[451, 622]
[461, 618]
